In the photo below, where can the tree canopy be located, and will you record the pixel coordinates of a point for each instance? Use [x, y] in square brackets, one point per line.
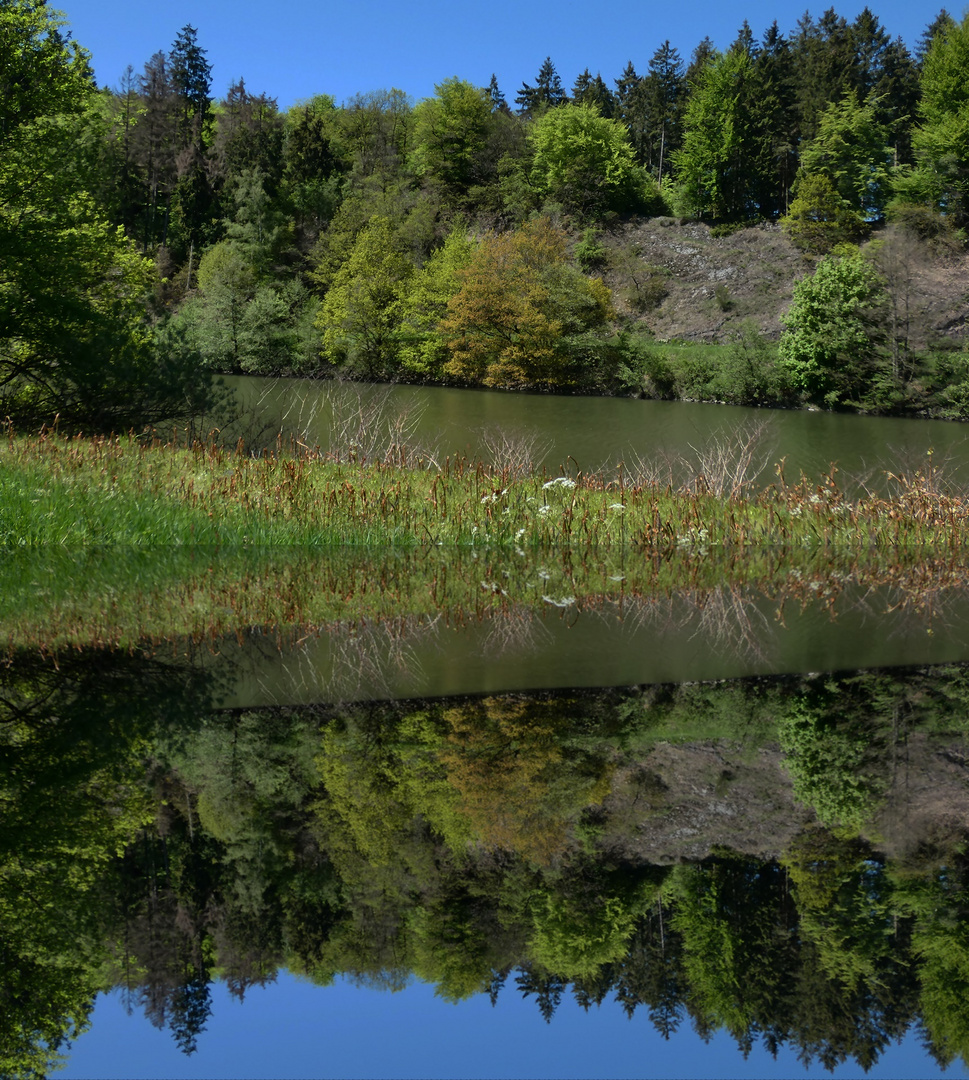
[74, 336]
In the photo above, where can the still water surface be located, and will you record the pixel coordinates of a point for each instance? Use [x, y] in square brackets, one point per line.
[596, 432]
[254, 788]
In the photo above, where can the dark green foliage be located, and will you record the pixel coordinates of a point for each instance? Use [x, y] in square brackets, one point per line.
[750, 372]
[74, 333]
[589, 252]
[594, 93]
[722, 160]
[330, 841]
[664, 94]
[547, 93]
[819, 219]
[248, 137]
[191, 80]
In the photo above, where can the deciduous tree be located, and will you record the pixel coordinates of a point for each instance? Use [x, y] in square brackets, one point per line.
[833, 339]
[360, 315]
[584, 161]
[74, 338]
[523, 313]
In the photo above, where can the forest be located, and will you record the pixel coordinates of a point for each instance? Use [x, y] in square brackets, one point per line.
[154, 234]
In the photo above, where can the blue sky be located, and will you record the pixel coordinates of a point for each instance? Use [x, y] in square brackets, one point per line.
[294, 50]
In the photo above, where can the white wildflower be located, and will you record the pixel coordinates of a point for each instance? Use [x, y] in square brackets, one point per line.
[561, 602]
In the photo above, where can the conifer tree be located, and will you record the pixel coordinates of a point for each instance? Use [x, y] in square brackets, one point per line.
[942, 141]
[631, 109]
[498, 102]
[664, 91]
[775, 121]
[547, 93]
[190, 75]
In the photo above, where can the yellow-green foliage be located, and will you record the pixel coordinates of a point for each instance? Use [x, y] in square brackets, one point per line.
[575, 942]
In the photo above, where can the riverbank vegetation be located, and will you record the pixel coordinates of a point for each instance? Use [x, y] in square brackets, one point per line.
[75, 492]
[153, 234]
[134, 540]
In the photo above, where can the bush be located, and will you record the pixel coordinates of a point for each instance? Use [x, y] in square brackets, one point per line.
[589, 252]
[723, 298]
[750, 373]
[819, 218]
[924, 221]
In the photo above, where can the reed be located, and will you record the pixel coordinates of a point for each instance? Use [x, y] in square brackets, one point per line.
[76, 492]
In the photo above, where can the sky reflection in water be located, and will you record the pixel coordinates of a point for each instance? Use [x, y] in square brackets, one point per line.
[294, 1029]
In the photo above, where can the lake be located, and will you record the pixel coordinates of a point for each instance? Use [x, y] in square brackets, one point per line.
[590, 433]
[546, 824]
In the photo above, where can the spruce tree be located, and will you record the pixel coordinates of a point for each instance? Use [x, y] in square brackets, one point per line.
[190, 75]
[664, 93]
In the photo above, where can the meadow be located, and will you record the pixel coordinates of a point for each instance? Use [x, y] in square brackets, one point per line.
[77, 492]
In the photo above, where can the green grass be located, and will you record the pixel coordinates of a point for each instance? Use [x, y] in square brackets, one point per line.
[111, 542]
[78, 492]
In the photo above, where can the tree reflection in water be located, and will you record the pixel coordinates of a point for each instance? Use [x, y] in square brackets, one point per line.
[779, 858]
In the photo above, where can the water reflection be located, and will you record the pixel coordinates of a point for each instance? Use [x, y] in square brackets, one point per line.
[595, 433]
[781, 858]
[282, 627]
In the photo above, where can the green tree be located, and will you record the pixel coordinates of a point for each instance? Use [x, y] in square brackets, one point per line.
[74, 339]
[824, 62]
[312, 170]
[844, 906]
[547, 93]
[775, 122]
[585, 161]
[191, 78]
[239, 322]
[360, 315]
[451, 133]
[374, 132]
[664, 94]
[819, 218]
[850, 149]
[155, 149]
[424, 303]
[942, 140]
[719, 162]
[594, 93]
[832, 343]
[737, 955]
[632, 109]
[248, 137]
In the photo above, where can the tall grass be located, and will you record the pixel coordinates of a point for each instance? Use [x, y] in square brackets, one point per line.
[121, 491]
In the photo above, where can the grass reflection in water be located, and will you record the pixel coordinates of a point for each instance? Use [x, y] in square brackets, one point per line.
[781, 858]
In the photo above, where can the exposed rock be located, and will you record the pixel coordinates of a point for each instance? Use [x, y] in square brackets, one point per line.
[713, 283]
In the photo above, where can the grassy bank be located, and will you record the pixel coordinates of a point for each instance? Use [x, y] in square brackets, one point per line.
[80, 492]
[112, 542]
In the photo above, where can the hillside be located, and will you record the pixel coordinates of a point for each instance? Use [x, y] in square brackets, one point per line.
[684, 282]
